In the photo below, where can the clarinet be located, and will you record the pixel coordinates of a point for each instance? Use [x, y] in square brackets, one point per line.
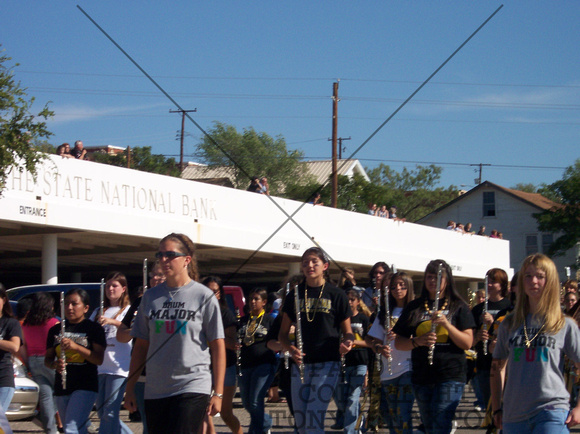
[484, 312]
[435, 309]
[388, 325]
[239, 350]
[62, 351]
[298, 331]
[377, 355]
[343, 364]
[144, 274]
[102, 306]
[287, 353]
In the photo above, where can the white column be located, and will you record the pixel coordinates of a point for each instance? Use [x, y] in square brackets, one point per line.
[50, 259]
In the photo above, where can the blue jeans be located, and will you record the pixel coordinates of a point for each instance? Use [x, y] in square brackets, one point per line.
[399, 394]
[310, 399]
[6, 394]
[545, 422]
[483, 391]
[74, 410]
[109, 398]
[254, 384]
[44, 377]
[347, 397]
[437, 404]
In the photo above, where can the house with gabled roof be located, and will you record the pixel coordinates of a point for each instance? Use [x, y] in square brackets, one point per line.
[319, 171]
[507, 211]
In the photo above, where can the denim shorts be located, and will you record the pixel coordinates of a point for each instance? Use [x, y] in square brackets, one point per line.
[231, 376]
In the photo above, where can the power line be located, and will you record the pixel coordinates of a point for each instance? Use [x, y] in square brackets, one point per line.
[354, 79]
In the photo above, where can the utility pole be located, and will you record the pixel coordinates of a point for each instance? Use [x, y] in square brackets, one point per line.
[480, 165]
[340, 139]
[183, 112]
[334, 198]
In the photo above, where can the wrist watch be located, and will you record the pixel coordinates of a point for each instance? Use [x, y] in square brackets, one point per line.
[219, 395]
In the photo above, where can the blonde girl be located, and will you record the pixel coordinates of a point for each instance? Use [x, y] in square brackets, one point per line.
[531, 343]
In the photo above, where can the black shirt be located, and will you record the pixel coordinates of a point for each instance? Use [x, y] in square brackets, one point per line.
[9, 327]
[360, 327]
[483, 362]
[321, 327]
[449, 363]
[255, 352]
[80, 373]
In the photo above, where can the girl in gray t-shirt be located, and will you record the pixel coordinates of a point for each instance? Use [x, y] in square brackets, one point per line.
[532, 342]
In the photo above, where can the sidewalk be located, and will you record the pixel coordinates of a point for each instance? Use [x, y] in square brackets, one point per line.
[468, 419]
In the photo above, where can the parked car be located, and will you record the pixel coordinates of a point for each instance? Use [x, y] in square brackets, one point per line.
[25, 399]
[235, 299]
[93, 289]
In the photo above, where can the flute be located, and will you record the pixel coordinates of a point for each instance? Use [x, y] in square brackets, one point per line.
[144, 275]
[239, 347]
[298, 331]
[343, 364]
[287, 353]
[435, 309]
[388, 326]
[484, 312]
[62, 351]
[377, 355]
[102, 306]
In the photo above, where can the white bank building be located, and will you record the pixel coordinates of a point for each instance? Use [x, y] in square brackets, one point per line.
[80, 220]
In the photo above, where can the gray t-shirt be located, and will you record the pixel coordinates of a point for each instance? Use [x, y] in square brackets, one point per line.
[178, 323]
[534, 375]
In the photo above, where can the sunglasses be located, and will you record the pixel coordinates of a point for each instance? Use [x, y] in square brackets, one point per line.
[169, 255]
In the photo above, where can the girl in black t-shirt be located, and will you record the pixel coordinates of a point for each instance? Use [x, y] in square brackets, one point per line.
[84, 343]
[258, 362]
[324, 315]
[230, 331]
[10, 341]
[353, 372]
[438, 387]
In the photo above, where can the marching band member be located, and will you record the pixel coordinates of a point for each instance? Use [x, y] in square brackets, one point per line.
[531, 343]
[438, 387]
[177, 324]
[396, 384]
[324, 314]
[258, 362]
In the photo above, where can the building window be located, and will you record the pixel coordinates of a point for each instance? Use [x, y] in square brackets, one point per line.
[489, 204]
[547, 241]
[531, 244]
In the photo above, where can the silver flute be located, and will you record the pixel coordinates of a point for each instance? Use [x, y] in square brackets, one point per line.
[377, 355]
[298, 331]
[343, 364]
[239, 348]
[62, 351]
[435, 309]
[287, 353]
[484, 312]
[144, 274]
[388, 326]
[102, 306]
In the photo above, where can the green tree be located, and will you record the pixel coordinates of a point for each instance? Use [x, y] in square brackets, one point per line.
[19, 127]
[141, 159]
[250, 153]
[563, 220]
[528, 188]
[413, 192]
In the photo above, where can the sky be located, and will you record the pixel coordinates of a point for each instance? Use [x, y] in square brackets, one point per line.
[508, 100]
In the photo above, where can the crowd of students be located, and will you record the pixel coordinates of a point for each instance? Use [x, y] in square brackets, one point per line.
[328, 342]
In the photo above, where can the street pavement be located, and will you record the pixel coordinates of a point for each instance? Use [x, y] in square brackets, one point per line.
[467, 418]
